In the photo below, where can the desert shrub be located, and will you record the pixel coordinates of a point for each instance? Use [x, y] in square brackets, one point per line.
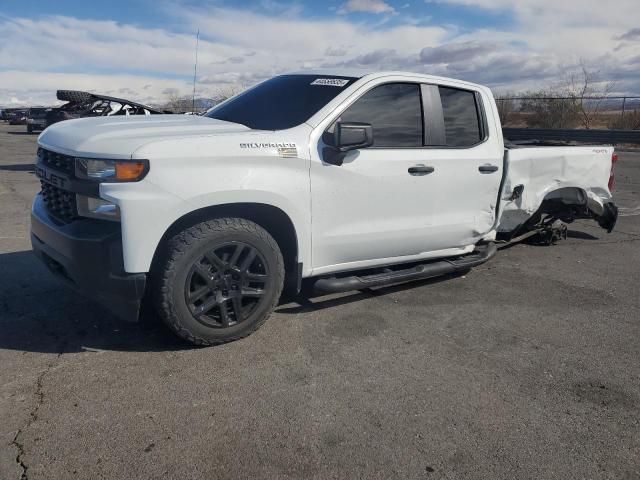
[630, 121]
[544, 110]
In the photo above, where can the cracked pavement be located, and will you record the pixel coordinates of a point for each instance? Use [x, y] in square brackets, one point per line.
[527, 367]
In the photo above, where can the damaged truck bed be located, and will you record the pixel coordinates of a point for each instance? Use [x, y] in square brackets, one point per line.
[543, 184]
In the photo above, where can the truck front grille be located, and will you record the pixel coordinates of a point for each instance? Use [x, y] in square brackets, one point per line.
[60, 203]
[57, 161]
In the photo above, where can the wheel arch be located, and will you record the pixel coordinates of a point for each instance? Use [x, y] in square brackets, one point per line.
[567, 202]
[571, 195]
[273, 219]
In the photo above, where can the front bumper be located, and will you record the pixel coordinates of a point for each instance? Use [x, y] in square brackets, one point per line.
[87, 255]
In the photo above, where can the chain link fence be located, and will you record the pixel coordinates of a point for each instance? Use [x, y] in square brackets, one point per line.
[593, 112]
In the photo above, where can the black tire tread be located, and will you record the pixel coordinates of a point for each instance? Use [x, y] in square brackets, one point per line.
[179, 245]
[73, 96]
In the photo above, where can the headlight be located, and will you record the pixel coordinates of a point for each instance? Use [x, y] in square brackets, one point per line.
[111, 170]
[97, 208]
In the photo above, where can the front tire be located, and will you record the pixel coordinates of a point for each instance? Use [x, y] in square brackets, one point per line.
[219, 280]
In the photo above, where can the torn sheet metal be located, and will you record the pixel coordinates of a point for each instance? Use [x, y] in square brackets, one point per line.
[543, 170]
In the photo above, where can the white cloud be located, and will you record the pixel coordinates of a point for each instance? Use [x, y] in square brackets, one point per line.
[456, 52]
[35, 88]
[548, 37]
[64, 42]
[152, 60]
[366, 6]
[303, 37]
[335, 51]
[39, 56]
[632, 35]
[578, 28]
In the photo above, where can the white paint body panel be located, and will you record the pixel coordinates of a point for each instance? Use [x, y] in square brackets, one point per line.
[118, 137]
[209, 170]
[370, 211]
[367, 212]
[543, 170]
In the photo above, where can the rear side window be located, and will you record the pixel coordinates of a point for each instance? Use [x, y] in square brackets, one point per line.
[461, 119]
[394, 111]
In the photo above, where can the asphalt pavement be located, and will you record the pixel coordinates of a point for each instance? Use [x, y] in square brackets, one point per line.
[528, 367]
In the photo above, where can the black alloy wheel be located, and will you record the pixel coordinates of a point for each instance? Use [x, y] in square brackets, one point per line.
[218, 280]
[226, 285]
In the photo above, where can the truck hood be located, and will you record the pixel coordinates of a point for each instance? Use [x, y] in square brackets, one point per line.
[119, 137]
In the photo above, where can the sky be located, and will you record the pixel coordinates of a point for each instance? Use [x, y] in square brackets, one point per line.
[144, 50]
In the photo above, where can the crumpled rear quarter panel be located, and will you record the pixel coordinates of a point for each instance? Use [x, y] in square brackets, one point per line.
[543, 170]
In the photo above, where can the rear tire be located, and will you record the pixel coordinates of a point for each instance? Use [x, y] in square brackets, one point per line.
[29, 129]
[219, 280]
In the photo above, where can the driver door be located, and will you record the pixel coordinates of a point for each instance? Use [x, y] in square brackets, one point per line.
[379, 204]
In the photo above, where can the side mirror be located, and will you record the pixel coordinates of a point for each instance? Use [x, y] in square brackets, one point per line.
[346, 136]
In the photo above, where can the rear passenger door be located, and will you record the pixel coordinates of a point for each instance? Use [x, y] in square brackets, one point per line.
[467, 164]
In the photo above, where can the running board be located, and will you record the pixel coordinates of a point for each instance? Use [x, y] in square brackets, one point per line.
[432, 269]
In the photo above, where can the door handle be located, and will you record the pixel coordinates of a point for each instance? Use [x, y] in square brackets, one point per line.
[421, 170]
[488, 168]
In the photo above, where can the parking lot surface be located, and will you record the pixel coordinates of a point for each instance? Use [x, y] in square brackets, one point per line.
[527, 367]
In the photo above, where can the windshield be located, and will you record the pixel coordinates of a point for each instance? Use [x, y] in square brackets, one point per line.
[281, 102]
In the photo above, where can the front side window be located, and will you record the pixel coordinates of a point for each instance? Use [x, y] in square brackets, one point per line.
[394, 111]
[461, 119]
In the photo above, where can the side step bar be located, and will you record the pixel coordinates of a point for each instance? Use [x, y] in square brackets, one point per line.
[432, 269]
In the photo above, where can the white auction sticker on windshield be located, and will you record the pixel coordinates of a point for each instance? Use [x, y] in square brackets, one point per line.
[330, 82]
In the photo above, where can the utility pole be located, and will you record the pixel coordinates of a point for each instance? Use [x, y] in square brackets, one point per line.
[195, 73]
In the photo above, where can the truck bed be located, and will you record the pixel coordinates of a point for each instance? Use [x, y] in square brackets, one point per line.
[543, 170]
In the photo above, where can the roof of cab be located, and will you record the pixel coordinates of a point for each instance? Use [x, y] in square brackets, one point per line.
[347, 72]
[360, 73]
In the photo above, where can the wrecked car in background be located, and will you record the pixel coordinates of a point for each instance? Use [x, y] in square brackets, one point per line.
[84, 104]
[17, 117]
[37, 119]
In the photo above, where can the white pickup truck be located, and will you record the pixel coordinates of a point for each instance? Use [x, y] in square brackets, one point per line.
[353, 180]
